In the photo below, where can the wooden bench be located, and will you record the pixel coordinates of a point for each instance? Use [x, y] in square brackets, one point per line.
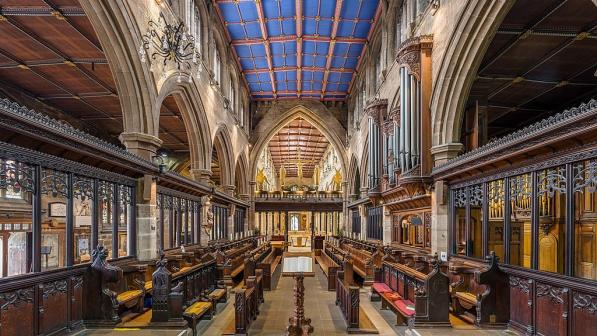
[196, 312]
[231, 262]
[268, 265]
[330, 268]
[190, 294]
[246, 304]
[347, 296]
[111, 291]
[418, 299]
[480, 292]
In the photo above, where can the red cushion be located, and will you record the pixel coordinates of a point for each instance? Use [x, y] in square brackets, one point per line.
[392, 296]
[381, 287]
[405, 306]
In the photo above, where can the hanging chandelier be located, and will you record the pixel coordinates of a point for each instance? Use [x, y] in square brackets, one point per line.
[168, 46]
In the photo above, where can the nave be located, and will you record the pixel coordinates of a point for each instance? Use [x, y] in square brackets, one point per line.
[242, 166]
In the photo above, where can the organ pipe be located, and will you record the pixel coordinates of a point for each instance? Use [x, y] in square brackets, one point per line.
[408, 122]
[402, 120]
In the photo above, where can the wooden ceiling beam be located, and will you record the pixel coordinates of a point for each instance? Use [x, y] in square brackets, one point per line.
[529, 28]
[289, 38]
[299, 47]
[57, 12]
[51, 81]
[328, 62]
[291, 68]
[58, 53]
[268, 51]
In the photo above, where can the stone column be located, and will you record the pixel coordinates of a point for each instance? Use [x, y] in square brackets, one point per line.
[252, 223]
[442, 153]
[229, 189]
[439, 218]
[387, 225]
[205, 209]
[346, 214]
[140, 144]
[201, 175]
[363, 214]
[231, 222]
[147, 224]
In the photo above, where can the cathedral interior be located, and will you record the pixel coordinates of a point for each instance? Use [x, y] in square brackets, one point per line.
[298, 167]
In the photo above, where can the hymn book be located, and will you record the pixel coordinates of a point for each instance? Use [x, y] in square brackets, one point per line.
[297, 265]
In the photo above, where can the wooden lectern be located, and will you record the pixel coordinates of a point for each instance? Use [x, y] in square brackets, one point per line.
[298, 268]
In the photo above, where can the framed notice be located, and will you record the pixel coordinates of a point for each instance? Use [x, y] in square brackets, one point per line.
[57, 209]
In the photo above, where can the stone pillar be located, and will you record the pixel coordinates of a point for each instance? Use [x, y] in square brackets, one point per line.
[252, 223]
[439, 218]
[147, 224]
[140, 144]
[442, 153]
[387, 225]
[231, 222]
[201, 175]
[345, 213]
[229, 189]
[363, 213]
[205, 209]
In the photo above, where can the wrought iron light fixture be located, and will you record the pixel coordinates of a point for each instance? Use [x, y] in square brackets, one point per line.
[171, 47]
[159, 161]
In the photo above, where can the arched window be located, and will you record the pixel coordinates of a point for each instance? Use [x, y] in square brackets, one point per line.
[241, 113]
[215, 62]
[232, 95]
[196, 28]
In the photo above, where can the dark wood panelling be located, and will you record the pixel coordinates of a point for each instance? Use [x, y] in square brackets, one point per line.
[17, 312]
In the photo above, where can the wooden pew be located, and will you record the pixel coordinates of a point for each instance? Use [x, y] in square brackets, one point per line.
[230, 262]
[268, 265]
[330, 268]
[246, 304]
[480, 292]
[347, 296]
[110, 291]
[364, 260]
[418, 299]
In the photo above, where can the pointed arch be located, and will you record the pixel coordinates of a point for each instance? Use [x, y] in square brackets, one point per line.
[364, 168]
[327, 124]
[194, 119]
[222, 145]
[119, 36]
[354, 177]
[240, 175]
[458, 68]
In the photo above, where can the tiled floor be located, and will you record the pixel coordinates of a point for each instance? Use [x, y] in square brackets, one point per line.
[319, 306]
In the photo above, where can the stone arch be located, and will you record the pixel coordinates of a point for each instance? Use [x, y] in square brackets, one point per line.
[364, 167]
[119, 36]
[222, 145]
[354, 172]
[327, 124]
[458, 67]
[194, 119]
[240, 175]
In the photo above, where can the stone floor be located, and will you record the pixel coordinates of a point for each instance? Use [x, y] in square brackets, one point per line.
[319, 306]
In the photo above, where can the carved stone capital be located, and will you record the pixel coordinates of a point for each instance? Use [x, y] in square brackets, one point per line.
[376, 109]
[409, 53]
[141, 144]
[201, 175]
[444, 152]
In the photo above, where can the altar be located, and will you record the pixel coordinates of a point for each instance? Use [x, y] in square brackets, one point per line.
[299, 238]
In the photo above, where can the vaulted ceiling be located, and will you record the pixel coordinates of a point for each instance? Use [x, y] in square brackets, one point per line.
[543, 59]
[299, 48]
[298, 135]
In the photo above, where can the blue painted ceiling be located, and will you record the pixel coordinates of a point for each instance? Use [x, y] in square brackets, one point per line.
[315, 56]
